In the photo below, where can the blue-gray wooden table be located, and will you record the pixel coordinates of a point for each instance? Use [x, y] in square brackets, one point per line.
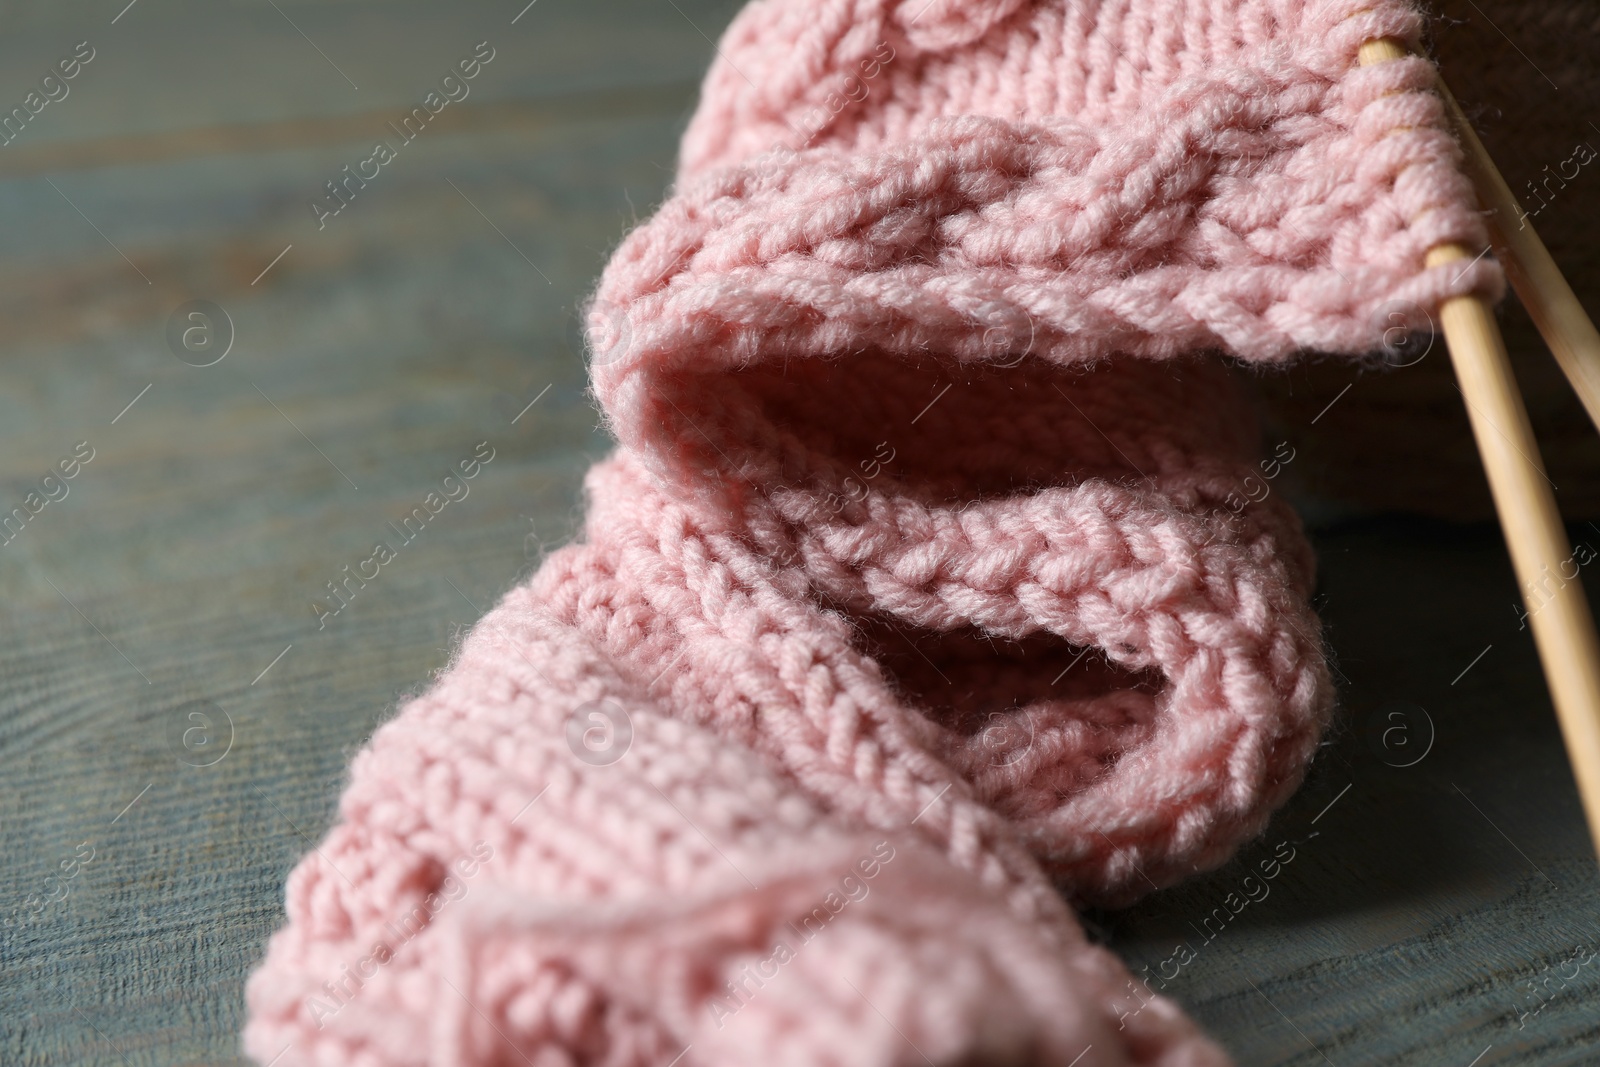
[175, 719]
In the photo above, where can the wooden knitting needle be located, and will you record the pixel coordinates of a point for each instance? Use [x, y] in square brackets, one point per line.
[1540, 285]
[1563, 629]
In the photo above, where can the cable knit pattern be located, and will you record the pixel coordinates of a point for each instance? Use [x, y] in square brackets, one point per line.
[1154, 176]
[915, 603]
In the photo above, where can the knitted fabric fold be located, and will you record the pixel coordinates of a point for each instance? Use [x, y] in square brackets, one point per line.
[932, 587]
[1112, 680]
[489, 898]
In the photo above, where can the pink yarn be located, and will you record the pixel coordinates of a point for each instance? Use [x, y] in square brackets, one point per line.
[904, 606]
[1154, 177]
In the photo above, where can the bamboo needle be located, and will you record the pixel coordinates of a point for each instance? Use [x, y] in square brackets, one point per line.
[1540, 285]
[1558, 611]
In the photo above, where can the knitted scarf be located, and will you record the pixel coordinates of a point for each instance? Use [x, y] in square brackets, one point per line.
[931, 587]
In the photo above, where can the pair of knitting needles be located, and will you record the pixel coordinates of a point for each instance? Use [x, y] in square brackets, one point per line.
[1563, 628]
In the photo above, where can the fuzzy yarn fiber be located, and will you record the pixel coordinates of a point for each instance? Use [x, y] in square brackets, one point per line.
[922, 595]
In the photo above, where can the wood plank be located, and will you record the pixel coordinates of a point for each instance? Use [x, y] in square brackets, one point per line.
[397, 338]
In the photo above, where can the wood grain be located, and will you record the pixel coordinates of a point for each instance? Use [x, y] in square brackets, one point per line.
[409, 330]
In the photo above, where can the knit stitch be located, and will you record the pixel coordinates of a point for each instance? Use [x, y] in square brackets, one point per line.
[915, 603]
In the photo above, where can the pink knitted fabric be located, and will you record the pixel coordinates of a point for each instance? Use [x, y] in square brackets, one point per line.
[904, 608]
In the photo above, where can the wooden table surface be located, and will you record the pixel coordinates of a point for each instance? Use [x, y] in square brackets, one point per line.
[174, 725]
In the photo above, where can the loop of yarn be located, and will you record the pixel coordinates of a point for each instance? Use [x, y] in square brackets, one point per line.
[1162, 582]
[938, 25]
